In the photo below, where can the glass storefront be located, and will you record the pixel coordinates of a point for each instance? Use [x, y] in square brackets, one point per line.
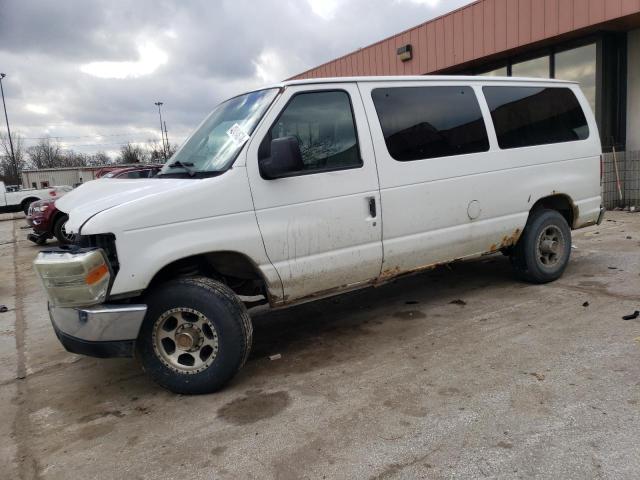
[537, 68]
[499, 72]
[579, 65]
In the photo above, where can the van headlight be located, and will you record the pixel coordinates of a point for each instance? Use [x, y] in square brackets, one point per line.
[72, 279]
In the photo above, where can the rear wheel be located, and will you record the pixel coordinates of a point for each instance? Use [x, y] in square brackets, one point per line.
[543, 251]
[60, 232]
[195, 337]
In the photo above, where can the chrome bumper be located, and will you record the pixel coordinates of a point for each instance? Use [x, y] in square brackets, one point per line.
[101, 323]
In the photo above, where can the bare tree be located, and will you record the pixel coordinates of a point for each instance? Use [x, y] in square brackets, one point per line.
[156, 152]
[11, 167]
[99, 158]
[45, 154]
[130, 153]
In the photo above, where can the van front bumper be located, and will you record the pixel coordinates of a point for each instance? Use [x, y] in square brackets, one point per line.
[99, 331]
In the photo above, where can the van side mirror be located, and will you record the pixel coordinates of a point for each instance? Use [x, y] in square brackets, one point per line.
[285, 158]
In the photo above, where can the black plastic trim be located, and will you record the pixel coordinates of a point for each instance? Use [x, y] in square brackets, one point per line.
[113, 349]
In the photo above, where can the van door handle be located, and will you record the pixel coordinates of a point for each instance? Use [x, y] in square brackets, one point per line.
[372, 207]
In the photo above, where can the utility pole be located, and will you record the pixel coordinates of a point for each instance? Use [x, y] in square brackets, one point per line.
[164, 148]
[13, 155]
[166, 134]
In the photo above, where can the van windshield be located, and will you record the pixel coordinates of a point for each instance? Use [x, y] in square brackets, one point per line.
[216, 143]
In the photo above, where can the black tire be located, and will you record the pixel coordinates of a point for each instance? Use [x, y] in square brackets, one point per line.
[59, 232]
[205, 300]
[27, 203]
[542, 253]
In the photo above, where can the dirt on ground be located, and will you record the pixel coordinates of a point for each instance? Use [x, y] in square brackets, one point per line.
[461, 372]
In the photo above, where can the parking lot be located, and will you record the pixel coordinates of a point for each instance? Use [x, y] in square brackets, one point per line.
[460, 372]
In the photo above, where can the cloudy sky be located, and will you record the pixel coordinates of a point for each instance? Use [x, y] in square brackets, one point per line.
[89, 71]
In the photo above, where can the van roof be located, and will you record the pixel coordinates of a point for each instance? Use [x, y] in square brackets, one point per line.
[423, 78]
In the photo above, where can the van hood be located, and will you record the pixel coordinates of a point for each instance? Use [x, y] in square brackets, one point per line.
[98, 195]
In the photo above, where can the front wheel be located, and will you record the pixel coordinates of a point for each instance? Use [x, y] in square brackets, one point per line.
[60, 232]
[543, 251]
[195, 337]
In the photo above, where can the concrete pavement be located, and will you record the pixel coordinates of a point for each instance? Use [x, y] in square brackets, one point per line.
[457, 373]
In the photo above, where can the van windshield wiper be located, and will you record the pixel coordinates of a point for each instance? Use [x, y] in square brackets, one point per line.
[184, 165]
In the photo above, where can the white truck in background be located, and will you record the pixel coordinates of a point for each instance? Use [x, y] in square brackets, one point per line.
[13, 201]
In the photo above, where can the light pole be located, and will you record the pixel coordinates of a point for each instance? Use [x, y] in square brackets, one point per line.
[164, 148]
[13, 156]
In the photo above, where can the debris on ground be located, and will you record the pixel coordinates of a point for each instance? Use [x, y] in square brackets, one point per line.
[458, 302]
[613, 268]
[539, 376]
[277, 356]
[629, 237]
[633, 316]
[411, 302]
[585, 304]
[3, 309]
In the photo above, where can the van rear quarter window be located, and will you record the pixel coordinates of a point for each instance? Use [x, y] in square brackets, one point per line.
[528, 116]
[428, 122]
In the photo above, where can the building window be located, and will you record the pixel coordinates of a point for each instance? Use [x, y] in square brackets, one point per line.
[579, 65]
[527, 116]
[44, 184]
[498, 72]
[34, 185]
[428, 122]
[536, 68]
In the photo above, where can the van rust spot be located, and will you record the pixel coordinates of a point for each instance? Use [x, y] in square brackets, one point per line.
[507, 241]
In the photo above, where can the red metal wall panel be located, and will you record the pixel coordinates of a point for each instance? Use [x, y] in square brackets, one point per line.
[477, 18]
[524, 22]
[449, 45]
[537, 19]
[500, 20]
[423, 50]
[551, 11]
[432, 63]
[488, 19]
[512, 23]
[467, 34]
[458, 38]
[440, 55]
[483, 28]
[630, 6]
[596, 11]
[613, 9]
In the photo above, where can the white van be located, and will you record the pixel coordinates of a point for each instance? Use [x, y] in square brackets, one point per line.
[312, 188]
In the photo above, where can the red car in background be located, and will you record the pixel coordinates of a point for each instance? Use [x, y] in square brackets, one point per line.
[139, 171]
[48, 222]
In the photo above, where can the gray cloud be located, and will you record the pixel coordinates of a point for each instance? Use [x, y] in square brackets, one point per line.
[204, 51]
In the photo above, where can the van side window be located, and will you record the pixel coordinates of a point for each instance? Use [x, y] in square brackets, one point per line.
[429, 122]
[527, 116]
[323, 124]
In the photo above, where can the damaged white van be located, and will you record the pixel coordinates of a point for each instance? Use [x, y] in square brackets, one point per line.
[312, 188]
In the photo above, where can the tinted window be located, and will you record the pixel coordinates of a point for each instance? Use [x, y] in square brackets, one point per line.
[322, 122]
[428, 122]
[526, 116]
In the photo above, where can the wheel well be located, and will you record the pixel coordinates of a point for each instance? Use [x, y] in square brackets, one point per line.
[560, 203]
[234, 269]
[28, 201]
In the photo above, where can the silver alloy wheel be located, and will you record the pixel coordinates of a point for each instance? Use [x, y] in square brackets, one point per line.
[551, 246]
[69, 237]
[185, 340]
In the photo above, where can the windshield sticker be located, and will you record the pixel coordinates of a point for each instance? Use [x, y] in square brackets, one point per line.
[237, 134]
